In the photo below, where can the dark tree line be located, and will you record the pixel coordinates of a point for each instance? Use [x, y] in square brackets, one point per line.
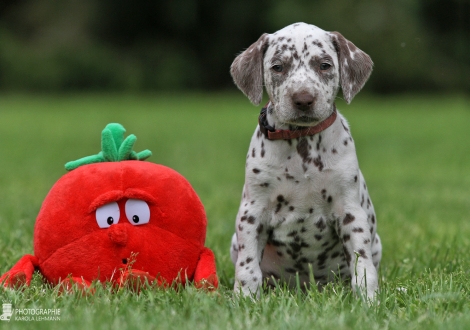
[60, 45]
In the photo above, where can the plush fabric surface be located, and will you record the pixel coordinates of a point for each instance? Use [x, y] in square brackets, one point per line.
[69, 242]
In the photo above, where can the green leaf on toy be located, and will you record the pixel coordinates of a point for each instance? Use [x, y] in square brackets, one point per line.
[114, 148]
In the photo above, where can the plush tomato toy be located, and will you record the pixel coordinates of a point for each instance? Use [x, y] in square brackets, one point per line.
[115, 217]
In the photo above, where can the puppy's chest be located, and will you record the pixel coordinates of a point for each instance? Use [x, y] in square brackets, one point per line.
[293, 176]
[294, 184]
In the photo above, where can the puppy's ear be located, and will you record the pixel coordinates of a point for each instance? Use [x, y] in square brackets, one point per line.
[355, 66]
[247, 70]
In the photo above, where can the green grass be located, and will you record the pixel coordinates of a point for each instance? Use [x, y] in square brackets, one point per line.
[413, 150]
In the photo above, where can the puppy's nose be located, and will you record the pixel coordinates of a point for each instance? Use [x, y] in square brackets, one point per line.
[303, 101]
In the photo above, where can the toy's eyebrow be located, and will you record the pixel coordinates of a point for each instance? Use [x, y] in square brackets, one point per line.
[140, 194]
[115, 195]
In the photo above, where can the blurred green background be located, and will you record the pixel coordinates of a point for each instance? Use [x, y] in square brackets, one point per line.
[161, 68]
[148, 45]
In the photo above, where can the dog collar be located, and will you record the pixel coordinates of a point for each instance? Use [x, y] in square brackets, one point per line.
[284, 134]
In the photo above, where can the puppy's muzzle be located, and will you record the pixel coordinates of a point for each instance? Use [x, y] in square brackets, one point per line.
[303, 101]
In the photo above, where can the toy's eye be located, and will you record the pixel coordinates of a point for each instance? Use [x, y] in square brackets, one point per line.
[107, 215]
[137, 211]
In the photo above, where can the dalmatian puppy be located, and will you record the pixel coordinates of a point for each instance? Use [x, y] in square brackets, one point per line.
[305, 215]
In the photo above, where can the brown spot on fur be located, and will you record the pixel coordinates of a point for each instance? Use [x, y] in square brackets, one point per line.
[362, 253]
[320, 224]
[334, 255]
[302, 149]
[292, 233]
[347, 255]
[317, 43]
[348, 219]
[289, 177]
[318, 163]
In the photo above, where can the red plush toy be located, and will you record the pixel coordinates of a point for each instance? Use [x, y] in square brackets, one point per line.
[116, 218]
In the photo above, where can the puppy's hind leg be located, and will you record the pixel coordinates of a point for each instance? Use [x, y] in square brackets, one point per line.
[376, 251]
[234, 249]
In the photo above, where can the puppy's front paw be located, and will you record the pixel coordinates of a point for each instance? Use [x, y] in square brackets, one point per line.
[248, 283]
[366, 286]
[245, 291]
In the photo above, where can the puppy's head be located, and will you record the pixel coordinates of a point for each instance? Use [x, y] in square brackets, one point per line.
[302, 68]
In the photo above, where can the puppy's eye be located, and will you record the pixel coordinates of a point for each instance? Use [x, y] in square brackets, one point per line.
[277, 67]
[325, 66]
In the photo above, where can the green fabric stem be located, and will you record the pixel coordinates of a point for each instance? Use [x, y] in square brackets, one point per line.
[114, 148]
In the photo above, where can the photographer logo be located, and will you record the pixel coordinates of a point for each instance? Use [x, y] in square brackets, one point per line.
[29, 314]
[7, 313]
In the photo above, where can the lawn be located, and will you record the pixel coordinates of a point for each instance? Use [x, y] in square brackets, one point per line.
[414, 152]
